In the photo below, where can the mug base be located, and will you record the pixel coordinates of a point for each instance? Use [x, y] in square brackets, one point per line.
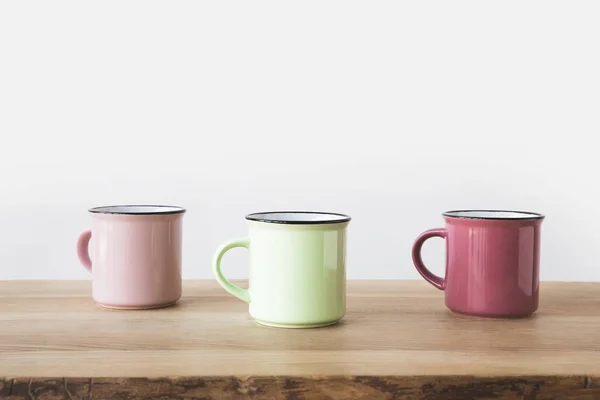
[296, 326]
[131, 308]
[462, 314]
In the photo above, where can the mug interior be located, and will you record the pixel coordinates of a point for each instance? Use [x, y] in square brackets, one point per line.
[137, 210]
[492, 214]
[298, 217]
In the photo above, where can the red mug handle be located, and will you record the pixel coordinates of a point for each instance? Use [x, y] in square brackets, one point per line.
[83, 252]
[430, 277]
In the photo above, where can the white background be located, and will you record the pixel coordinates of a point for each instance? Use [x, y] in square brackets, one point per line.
[392, 112]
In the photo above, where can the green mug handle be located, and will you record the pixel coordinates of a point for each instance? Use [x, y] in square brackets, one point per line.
[242, 294]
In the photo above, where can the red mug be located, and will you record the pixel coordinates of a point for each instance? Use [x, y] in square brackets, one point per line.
[492, 262]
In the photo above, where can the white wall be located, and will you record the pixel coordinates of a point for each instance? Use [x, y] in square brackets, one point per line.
[392, 112]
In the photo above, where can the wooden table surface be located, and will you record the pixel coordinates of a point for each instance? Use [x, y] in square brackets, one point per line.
[397, 339]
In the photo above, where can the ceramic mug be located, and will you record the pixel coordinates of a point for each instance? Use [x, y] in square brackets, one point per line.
[492, 262]
[297, 268]
[135, 258]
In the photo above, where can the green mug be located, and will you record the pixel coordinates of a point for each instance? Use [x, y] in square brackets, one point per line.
[297, 268]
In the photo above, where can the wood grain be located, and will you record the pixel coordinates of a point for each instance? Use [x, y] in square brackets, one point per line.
[397, 340]
[277, 387]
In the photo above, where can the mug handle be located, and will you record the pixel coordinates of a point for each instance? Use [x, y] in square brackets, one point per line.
[83, 251]
[435, 280]
[242, 294]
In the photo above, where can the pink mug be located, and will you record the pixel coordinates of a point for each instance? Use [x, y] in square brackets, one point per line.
[492, 262]
[135, 257]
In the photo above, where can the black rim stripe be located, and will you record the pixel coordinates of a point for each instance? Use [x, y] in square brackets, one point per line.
[106, 210]
[530, 215]
[264, 217]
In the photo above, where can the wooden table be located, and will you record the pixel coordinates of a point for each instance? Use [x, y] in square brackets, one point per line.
[396, 341]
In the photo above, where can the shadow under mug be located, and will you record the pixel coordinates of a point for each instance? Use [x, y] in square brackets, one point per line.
[297, 268]
[135, 257]
[492, 262]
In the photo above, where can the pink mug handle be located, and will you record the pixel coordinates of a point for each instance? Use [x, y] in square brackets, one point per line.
[83, 252]
[435, 280]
